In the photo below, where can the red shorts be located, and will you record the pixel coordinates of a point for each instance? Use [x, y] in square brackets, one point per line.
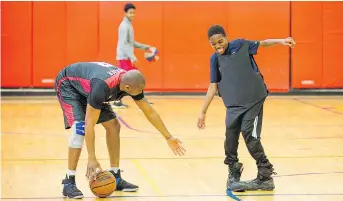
[127, 65]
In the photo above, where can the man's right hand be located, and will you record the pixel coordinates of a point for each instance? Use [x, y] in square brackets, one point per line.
[175, 146]
[92, 166]
[201, 121]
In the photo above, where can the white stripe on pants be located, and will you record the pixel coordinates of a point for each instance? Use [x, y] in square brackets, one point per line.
[254, 133]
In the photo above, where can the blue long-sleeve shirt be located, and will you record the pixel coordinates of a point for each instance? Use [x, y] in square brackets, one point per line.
[126, 42]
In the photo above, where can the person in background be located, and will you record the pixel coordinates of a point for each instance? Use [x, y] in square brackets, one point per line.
[126, 44]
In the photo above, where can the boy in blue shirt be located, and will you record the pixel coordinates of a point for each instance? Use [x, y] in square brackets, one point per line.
[234, 73]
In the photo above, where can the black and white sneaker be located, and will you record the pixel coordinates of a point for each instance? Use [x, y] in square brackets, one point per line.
[123, 185]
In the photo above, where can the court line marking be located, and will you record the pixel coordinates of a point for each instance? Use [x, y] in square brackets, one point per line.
[141, 131]
[185, 196]
[200, 136]
[157, 158]
[127, 125]
[155, 187]
[307, 174]
[147, 177]
[38, 99]
[318, 106]
[231, 195]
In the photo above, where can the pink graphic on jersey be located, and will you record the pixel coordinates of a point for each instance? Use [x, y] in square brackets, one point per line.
[84, 83]
[68, 109]
[115, 79]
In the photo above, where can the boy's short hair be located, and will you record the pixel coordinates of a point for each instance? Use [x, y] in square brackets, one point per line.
[128, 7]
[215, 29]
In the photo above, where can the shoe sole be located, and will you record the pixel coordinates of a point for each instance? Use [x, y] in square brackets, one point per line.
[259, 189]
[130, 190]
[76, 197]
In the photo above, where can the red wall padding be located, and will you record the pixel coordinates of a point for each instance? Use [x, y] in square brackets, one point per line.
[40, 38]
[16, 44]
[317, 60]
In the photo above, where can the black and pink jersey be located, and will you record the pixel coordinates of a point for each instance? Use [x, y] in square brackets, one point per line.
[96, 81]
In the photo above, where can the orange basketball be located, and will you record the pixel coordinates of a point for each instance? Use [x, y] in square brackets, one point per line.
[104, 184]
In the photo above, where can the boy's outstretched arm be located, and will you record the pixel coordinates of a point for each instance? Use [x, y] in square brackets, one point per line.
[270, 42]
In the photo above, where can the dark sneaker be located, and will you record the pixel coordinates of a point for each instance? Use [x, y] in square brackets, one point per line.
[260, 183]
[123, 185]
[119, 104]
[235, 172]
[69, 188]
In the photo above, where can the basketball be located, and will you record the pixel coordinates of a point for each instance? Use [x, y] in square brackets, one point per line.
[151, 54]
[104, 184]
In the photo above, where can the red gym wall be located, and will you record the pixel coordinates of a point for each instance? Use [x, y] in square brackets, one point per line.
[40, 38]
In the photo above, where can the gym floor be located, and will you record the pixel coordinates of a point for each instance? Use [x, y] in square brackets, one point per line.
[302, 136]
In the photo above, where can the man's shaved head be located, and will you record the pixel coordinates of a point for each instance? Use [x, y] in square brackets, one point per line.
[133, 78]
[132, 82]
